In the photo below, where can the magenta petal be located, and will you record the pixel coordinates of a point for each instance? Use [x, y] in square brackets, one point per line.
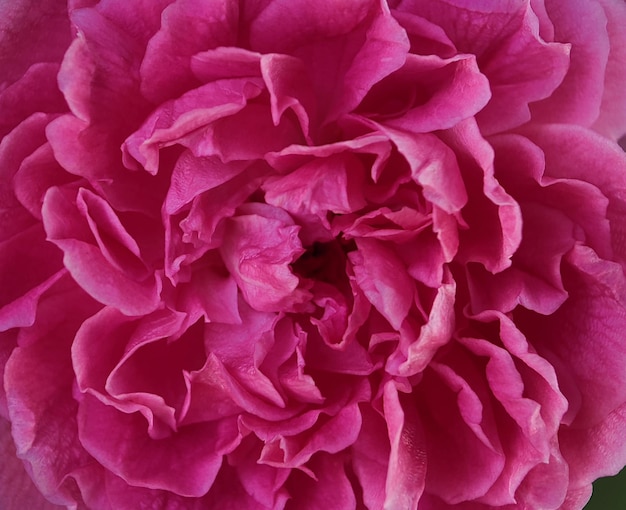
[385, 44]
[223, 137]
[459, 430]
[192, 176]
[81, 150]
[188, 27]
[110, 492]
[263, 483]
[41, 408]
[8, 342]
[329, 435]
[384, 280]
[269, 32]
[38, 173]
[434, 167]
[329, 488]
[88, 264]
[45, 41]
[406, 476]
[612, 120]
[289, 89]
[591, 320]
[326, 185]
[180, 117]
[185, 463]
[16, 488]
[25, 139]
[370, 458]
[493, 216]
[209, 383]
[98, 76]
[213, 294]
[595, 451]
[231, 493]
[295, 255]
[22, 311]
[18, 102]
[25, 274]
[579, 97]
[129, 374]
[546, 485]
[577, 498]
[521, 68]
[363, 34]
[232, 62]
[436, 332]
[598, 163]
[258, 247]
[526, 397]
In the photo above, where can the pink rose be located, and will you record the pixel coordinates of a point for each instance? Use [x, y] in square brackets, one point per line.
[282, 254]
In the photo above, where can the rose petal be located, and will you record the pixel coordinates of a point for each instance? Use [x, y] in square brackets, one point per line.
[383, 278]
[577, 100]
[612, 121]
[331, 486]
[406, 476]
[187, 27]
[22, 493]
[185, 463]
[258, 247]
[88, 265]
[38, 380]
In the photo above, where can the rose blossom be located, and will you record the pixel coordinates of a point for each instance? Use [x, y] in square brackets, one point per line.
[280, 254]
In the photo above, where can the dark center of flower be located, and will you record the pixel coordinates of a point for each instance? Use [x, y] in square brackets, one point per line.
[325, 261]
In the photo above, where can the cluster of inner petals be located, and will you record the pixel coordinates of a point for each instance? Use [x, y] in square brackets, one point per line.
[328, 257]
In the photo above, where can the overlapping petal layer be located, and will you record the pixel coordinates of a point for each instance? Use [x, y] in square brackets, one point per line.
[289, 255]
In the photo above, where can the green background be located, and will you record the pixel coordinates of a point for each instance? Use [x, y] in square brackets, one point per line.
[609, 493]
